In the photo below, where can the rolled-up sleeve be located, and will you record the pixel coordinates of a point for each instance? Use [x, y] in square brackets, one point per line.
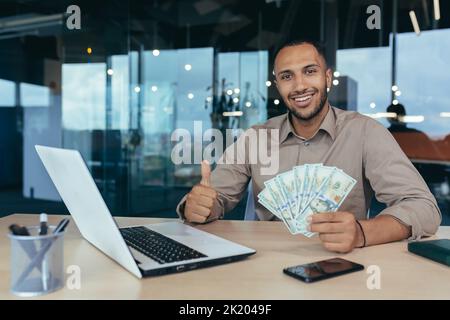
[229, 179]
[397, 183]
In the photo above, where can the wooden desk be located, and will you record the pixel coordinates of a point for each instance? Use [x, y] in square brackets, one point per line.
[403, 275]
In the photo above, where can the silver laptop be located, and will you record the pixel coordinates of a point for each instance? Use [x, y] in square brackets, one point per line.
[148, 250]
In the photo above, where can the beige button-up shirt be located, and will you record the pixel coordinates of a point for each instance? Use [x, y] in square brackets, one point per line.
[360, 146]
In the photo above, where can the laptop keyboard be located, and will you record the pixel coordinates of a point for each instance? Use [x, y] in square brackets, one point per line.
[158, 247]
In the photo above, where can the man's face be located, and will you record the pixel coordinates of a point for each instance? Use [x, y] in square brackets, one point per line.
[302, 80]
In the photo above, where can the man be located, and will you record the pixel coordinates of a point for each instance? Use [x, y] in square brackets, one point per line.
[414, 143]
[314, 132]
[397, 123]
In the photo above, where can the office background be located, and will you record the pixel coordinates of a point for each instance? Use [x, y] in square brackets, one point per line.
[136, 70]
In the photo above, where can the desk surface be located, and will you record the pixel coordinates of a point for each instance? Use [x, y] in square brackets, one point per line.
[403, 275]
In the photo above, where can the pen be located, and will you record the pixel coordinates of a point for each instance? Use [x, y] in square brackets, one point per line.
[43, 231]
[43, 224]
[61, 226]
[18, 230]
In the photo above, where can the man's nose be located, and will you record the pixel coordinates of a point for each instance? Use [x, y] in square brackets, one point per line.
[299, 83]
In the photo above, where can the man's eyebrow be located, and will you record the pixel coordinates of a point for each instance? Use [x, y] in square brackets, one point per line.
[284, 71]
[311, 65]
[305, 67]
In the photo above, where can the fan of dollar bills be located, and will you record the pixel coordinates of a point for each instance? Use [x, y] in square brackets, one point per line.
[294, 195]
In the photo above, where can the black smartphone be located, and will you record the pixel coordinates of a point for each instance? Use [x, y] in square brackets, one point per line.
[324, 269]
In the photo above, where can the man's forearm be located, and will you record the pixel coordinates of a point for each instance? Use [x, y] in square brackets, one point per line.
[383, 229]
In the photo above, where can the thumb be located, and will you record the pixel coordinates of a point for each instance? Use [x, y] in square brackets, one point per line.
[206, 173]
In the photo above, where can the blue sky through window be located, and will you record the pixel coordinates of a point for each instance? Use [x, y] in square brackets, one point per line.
[423, 78]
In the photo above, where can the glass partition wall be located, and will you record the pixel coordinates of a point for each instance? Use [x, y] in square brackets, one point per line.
[124, 81]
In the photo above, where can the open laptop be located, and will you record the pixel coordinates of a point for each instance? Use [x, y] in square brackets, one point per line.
[149, 250]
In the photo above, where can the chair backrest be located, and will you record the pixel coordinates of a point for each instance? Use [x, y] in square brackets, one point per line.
[250, 212]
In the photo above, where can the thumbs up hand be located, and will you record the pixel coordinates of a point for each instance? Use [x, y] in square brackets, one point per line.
[206, 174]
[201, 199]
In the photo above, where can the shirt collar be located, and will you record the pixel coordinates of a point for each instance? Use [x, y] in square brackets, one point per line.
[328, 125]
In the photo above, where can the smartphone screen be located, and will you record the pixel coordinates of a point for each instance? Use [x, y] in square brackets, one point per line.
[322, 269]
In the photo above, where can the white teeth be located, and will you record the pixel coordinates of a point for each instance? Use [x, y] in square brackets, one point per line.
[303, 98]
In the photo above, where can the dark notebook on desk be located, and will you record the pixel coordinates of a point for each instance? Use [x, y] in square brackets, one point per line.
[437, 250]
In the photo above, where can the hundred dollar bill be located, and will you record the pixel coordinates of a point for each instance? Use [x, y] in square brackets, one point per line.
[329, 198]
[299, 173]
[282, 205]
[286, 182]
[266, 199]
[322, 174]
[306, 185]
[314, 168]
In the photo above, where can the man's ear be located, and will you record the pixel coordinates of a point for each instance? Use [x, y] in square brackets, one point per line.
[274, 78]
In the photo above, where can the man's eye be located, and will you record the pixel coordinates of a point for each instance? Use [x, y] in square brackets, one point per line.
[285, 76]
[311, 71]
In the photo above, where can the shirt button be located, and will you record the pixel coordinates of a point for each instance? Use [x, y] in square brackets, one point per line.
[306, 143]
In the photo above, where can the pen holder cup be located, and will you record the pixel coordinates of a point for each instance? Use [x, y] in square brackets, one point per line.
[37, 263]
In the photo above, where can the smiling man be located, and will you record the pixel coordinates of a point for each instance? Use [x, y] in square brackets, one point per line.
[315, 132]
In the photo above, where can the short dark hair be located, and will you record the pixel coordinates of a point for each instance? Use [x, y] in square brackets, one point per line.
[317, 45]
[398, 109]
